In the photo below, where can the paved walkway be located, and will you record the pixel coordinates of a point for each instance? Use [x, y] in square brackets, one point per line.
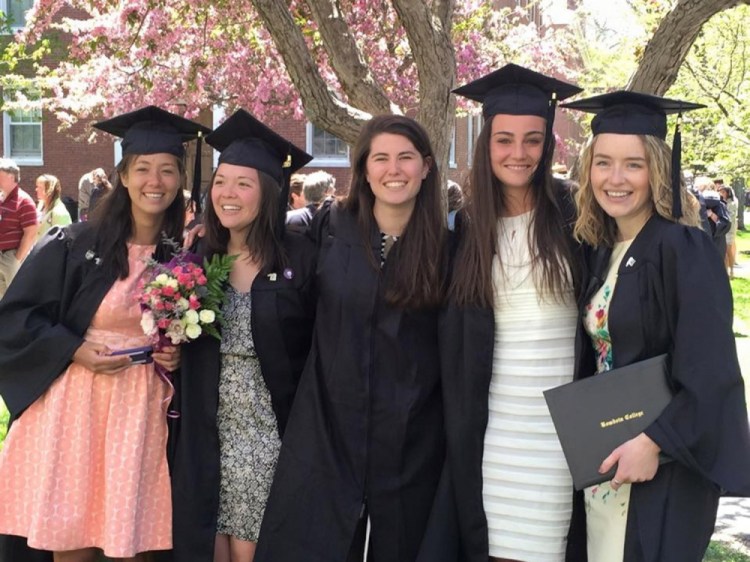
[733, 522]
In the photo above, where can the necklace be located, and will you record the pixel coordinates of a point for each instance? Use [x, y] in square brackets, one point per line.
[386, 243]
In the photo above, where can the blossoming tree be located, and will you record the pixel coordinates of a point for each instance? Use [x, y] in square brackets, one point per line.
[335, 61]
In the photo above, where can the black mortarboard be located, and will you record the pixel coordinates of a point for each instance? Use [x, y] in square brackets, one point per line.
[242, 140]
[631, 113]
[245, 141]
[515, 90]
[152, 130]
[635, 113]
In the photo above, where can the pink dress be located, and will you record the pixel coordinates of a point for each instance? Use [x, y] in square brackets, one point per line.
[85, 465]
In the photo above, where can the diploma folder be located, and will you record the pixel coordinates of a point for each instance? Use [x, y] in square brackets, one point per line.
[595, 415]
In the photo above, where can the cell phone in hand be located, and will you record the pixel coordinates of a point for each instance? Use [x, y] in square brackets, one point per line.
[138, 355]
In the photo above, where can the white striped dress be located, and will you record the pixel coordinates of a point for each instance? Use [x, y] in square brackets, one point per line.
[527, 488]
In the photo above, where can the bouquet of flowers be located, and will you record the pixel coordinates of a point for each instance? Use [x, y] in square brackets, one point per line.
[183, 298]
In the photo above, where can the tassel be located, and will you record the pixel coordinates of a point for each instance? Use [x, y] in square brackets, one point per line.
[676, 170]
[549, 143]
[195, 192]
[286, 171]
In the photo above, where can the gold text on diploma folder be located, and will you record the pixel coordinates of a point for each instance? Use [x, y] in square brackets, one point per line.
[615, 421]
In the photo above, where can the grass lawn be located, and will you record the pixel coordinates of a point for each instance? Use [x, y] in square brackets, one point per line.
[741, 285]
[720, 552]
[4, 415]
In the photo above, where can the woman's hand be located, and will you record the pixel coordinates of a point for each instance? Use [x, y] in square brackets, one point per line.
[168, 357]
[98, 358]
[190, 236]
[637, 461]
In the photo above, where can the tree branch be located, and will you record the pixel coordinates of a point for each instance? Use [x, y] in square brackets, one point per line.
[671, 42]
[356, 80]
[443, 10]
[321, 104]
[431, 44]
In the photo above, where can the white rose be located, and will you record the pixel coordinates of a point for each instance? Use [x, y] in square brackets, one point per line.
[183, 304]
[193, 331]
[148, 324]
[191, 317]
[207, 316]
[162, 278]
[172, 283]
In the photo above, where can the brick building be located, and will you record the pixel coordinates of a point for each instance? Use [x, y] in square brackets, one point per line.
[33, 140]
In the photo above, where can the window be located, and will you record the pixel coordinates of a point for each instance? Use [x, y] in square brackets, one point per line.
[474, 125]
[15, 11]
[22, 135]
[452, 150]
[326, 149]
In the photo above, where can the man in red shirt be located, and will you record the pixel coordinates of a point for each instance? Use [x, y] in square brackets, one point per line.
[18, 222]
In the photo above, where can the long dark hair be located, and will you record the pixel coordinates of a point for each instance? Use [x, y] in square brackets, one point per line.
[414, 275]
[485, 200]
[113, 223]
[262, 239]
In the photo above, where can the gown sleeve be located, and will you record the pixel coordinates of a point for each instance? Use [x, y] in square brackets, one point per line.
[705, 426]
[35, 346]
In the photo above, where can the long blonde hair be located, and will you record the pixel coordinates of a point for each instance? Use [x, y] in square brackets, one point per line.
[596, 227]
[52, 190]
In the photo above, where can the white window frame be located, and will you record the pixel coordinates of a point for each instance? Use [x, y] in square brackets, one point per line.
[217, 116]
[452, 150]
[324, 162]
[474, 125]
[7, 145]
[4, 6]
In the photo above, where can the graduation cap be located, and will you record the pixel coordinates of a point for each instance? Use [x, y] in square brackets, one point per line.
[515, 90]
[635, 113]
[152, 130]
[242, 140]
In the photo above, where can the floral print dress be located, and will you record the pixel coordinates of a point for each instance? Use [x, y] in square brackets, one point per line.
[248, 435]
[606, 508]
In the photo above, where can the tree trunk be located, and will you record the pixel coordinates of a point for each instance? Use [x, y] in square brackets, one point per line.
[347, 60]
[671, 42]
[429, 37]
[321, 104]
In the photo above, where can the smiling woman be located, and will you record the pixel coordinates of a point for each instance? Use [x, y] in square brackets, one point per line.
[658, 287]
[364, 441]
[74, 304]
[235, 395]
[508, 332]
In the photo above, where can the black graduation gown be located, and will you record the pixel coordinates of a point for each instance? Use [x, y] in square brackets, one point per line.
[46, 312]
[467, 340]
[366, 432]
[283, 308]
[673, 296]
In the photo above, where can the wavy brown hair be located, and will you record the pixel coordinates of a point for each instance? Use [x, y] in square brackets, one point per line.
[485, 202]
[596, 227]
[262, 241]
[52, 190]
[415, 272]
